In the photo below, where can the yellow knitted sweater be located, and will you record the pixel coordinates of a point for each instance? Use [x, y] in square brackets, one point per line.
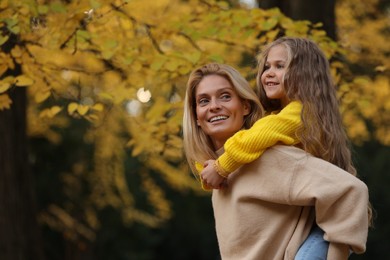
[247, 145]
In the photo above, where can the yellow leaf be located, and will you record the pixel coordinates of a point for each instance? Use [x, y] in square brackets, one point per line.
[72, 107]
[92, 118]
[98, 107]
[3, 4]
[23, 80]
[50, 112]
[44, 113]
[3, 68]
[106, 96]
[130, 143]
[137, 151]
[136, 66]
[172, 65]
[5, 102]
[82, 109]
[54, 110]
[16, 52]
[42, 96]
[380, 68]
[4, 86]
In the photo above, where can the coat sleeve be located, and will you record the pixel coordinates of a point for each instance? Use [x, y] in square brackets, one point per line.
[340, 200]
[248, 145]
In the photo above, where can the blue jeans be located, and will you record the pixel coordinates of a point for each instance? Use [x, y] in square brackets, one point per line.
[314, 247]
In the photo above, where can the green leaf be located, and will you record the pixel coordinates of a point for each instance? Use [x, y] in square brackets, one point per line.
[3, 39]
[212, 31]
[107, 54]
[157, 64]
[83, 34]
[11, 22]
[270, 23]
[95, 4]
[15, 29]
[193, 57]
[110, 44]
[216, 58]
[43, 9]
[172, 65]
[58, 7]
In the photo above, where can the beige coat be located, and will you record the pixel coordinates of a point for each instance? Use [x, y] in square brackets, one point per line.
[267, 209]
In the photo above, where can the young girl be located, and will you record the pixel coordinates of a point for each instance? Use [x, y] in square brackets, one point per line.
[294, 78]
[296, 82]
[267, 209]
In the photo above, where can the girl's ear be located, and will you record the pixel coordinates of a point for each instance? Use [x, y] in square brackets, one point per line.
[197, 122]
[247, 107]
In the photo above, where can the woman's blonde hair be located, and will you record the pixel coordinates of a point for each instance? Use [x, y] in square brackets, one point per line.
[197, 145]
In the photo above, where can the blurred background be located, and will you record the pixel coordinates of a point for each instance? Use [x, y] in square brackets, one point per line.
[91, 104]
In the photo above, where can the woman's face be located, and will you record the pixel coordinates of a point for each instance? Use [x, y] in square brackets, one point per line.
[273, 74]
[220, 111]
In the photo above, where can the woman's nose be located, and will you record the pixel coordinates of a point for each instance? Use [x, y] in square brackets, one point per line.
[214, 104]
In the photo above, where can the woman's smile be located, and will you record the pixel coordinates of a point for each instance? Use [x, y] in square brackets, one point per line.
[220, 111]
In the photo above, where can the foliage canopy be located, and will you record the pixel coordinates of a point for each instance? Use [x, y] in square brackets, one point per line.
[122, 66]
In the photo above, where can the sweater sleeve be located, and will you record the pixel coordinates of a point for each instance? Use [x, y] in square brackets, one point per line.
[247, 145]
[340, 201]
[199, 167]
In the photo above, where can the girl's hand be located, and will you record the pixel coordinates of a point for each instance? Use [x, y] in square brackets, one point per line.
[211, 178]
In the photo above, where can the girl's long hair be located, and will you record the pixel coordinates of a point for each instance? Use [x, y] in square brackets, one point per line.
[197, 145]
[308, 80]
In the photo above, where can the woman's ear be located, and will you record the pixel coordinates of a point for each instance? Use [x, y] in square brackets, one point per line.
[247, 107]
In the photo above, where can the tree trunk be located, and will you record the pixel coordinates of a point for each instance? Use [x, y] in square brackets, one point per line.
[315, 11]
[19, 233]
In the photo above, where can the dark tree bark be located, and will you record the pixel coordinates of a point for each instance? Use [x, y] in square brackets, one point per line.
[19, 232]
[315, 11]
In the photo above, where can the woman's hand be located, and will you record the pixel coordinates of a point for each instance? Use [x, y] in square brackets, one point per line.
[211, 178]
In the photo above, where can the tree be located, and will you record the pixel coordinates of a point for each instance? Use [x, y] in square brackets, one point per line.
[321, 11]
[20, 236]
[116, 71]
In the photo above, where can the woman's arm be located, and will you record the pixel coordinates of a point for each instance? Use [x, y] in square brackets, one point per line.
[340, 201]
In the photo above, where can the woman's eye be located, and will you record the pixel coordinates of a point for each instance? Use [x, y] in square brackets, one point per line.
[225, 96]
[202, 101]
[280, 66]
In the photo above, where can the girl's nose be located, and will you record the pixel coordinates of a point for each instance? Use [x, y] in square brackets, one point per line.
[269, 73]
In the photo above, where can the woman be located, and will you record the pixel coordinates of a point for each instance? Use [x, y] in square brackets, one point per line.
[268, 211]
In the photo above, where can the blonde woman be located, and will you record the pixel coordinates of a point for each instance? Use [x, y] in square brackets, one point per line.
[269, 205]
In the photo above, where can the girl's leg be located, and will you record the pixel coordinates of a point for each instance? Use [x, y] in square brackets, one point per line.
[314, 247]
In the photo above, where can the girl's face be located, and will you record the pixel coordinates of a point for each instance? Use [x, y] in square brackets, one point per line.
[273, 74]
[220, 111]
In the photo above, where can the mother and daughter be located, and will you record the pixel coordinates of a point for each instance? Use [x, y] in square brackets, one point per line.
[284, 186]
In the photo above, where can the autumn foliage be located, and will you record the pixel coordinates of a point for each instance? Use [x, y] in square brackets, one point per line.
[122, 66]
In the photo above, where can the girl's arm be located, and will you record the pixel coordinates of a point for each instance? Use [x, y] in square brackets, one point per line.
[247, 145]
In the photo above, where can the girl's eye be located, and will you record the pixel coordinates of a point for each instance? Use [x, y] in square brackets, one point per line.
[266, 67]
[280, 66]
